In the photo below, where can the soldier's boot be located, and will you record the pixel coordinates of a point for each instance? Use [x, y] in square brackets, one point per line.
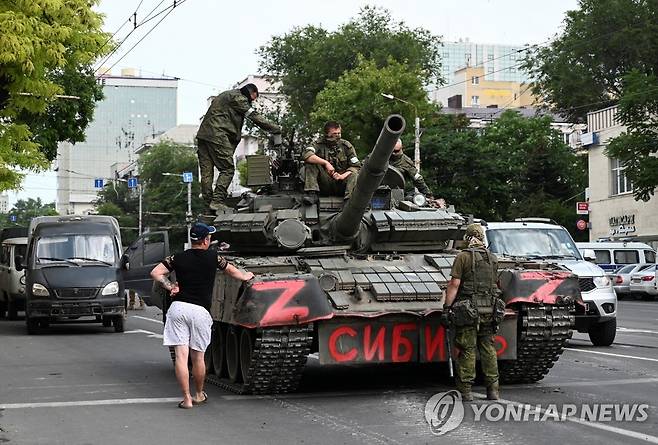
[493, 391]
[310, 197]
[465, 390]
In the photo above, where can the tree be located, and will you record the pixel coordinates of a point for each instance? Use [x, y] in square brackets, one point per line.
[356, 102]
[305, 59]
[516, 167]
[25, 210]
[636, 148]
[46, 49]
[603, 40]
[164, 198]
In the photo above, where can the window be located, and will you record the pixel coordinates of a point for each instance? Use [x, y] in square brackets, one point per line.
[602, 256]
[475, 100]
[490, 70]
[649, 256]
[475, 80]
[626, 256]
[490, 56]
[620, 183]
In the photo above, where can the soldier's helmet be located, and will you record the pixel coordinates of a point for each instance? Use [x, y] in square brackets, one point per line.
[474, 231]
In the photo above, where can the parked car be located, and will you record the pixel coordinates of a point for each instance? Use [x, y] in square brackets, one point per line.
[644, 283]
[622, 279]
[12, 286]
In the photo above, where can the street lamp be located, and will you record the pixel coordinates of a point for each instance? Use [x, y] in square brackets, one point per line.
[187, 178]
[416, 128]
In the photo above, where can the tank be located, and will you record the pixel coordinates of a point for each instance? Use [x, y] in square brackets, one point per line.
[360, 281]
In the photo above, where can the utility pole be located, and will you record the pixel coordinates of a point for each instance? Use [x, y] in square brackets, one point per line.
[188, 177]
[139, 190]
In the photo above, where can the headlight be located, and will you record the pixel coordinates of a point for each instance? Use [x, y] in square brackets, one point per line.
[39, 290]
[420, 200]
[111, 288]
[601, 281]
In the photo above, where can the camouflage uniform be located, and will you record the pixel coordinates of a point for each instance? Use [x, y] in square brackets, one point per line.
[342, 156]
[477, 268]
[406, 166]
[220, 132]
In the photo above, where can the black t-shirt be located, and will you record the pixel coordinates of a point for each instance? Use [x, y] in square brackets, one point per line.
[195, 273]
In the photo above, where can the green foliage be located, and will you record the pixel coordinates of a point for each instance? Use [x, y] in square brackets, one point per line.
[46, 49]
[356, 102]
[243, 171]
[306, 58]
[516, 167]
[25, 210]
[164, 198]
[602, 41]
[637, 147]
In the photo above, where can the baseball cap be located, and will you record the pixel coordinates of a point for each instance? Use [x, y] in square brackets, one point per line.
[200, 230]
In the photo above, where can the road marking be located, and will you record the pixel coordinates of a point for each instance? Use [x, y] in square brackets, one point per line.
[89, 403]
[147, 319]
[613, 429]
[641, 331]
[613, 355]
[577, 383]
[143, 331]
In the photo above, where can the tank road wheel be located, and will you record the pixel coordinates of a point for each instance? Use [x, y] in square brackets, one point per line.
[217, 345]
[233, 354]
[246, 353]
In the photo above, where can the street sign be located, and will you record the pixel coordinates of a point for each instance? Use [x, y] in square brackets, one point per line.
[187, 177]
[132, 183]
[98, 183]
[582, 208]
[581, 224]
[13, 218]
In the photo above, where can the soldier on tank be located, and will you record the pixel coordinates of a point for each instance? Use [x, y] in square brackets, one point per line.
[476, 311]
[331, 164]
[218, 136]
[406, 166]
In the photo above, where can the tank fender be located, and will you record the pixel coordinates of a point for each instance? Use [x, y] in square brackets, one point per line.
[539, 286]
[278, 301]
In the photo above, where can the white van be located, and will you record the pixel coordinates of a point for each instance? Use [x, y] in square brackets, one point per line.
[612, 255]
[12, 289]
[541, 239]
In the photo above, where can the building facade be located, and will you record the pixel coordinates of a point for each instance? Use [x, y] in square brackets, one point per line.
[472, 88]
[614, 213]
[133, 109]
[499, 62]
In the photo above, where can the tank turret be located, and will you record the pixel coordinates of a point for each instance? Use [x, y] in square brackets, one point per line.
[346, 224]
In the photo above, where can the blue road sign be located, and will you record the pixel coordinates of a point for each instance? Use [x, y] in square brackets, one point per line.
[132, 183]
[187, 177]
[98, 183]
[13, 218]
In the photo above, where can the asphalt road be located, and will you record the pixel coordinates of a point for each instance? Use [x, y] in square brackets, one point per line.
[85, 384]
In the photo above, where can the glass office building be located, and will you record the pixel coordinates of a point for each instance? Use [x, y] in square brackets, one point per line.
[500, 62]
[133, 109]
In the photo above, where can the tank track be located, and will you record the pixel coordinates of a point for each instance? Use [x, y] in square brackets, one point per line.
[277, 361]
[543, 332]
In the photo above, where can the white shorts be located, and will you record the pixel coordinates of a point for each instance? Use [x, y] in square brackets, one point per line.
[187, 324]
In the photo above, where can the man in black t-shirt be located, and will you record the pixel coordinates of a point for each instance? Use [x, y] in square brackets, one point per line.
[188, 325]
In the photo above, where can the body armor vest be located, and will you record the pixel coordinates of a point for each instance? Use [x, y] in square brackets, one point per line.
[477, 283]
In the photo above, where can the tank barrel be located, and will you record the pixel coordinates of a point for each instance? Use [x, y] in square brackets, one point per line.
[346, 224]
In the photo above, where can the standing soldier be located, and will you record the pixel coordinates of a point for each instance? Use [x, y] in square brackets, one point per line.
[471, 298]
[406, 166]
[220, 132]
[331, 164]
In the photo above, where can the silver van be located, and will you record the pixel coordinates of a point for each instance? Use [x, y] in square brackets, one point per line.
[613, 255]
[12, 284]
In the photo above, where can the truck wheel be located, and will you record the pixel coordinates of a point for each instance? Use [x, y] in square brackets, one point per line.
[118, 323]
[12, 310]
[32, 325]
[3, 309]
[603, 334]
[107, 321]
